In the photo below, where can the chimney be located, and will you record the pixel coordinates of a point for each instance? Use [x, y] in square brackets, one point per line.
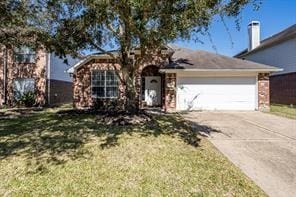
[254, 34]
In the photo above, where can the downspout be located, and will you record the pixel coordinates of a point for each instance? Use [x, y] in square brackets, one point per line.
[5, 76]
[48, 79]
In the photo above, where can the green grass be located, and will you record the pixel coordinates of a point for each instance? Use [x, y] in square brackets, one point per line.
[283, 110]
[50, 153]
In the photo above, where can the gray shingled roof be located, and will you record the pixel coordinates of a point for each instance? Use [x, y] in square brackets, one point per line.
[282, 36]
[190, 59]
[184, 58]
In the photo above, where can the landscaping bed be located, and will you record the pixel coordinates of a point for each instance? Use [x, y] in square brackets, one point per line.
[54, 153]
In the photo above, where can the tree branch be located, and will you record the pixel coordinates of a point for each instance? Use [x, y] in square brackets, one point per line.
[112, 29]
[103, 50]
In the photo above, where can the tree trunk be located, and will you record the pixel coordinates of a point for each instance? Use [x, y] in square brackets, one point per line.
[131, 99]
[131, 96]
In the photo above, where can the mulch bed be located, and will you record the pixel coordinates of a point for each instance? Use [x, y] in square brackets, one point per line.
[112, 118]
[109, 118]
[122, 119]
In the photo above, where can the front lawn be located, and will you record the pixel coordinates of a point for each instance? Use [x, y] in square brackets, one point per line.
[53, 153]
[283, 110]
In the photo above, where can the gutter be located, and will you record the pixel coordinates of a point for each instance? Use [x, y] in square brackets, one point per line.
[220, 70]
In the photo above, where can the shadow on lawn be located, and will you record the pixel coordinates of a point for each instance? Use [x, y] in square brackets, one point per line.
[55, 138]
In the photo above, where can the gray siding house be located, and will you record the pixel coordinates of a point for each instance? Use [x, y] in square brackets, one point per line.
[59, 82]
[278, 50]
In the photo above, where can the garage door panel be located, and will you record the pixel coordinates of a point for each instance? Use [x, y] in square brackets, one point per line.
[216, 80]
[216, 93]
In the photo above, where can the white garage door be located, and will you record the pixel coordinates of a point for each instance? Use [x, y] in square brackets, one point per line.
[216, 93]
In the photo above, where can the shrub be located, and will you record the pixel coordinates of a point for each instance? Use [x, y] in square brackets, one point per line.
[28, 99]
[108, 105]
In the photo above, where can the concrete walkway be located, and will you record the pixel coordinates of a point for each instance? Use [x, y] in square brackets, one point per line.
[262, 145]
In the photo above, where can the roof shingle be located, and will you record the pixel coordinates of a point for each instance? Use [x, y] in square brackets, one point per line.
[190, 59]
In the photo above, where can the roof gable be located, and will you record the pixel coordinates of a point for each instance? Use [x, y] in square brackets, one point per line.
[115, 53]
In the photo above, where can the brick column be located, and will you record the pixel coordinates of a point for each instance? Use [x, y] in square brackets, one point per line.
[263, 92]
[2, 60]
[170, 92]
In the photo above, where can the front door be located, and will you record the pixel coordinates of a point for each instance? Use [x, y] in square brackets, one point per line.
[153, 91]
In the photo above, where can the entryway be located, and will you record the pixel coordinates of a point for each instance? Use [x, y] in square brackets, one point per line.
[153, 91]
[151, 86]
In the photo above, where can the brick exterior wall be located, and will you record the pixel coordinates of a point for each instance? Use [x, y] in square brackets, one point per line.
[283, 89]
[170, 92]
[35, 71]
[82, 97]
[263, 92]
[60, 92]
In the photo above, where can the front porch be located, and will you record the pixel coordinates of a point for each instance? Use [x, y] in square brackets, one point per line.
[152, 87]
[157, 89]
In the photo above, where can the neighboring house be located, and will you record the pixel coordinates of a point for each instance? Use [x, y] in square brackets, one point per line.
[278, 50]
[177, 79]
[23, 70]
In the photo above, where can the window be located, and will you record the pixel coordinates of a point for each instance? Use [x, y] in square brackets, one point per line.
[104, 84]
[21, 86]
[24, 55]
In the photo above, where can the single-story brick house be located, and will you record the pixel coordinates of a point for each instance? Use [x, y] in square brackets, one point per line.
[177, 79]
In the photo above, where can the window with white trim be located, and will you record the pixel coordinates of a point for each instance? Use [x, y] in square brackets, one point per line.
[104, 84]
[22, 86]
[24, 55]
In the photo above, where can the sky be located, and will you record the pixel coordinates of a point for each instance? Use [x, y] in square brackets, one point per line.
[274, 16]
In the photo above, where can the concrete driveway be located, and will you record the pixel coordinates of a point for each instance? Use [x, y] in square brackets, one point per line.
[262, 145]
